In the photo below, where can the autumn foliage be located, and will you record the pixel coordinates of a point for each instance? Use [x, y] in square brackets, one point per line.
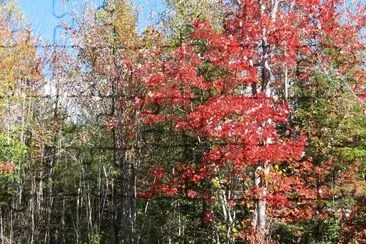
[6, 167]
[221, 88]
[237, 121]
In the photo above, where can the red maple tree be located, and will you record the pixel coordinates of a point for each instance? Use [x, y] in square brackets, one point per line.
[223, 88]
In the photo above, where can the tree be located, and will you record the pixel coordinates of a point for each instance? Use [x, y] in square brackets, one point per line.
[236, 125]
[180, 15]
[226, 89]
[334, 123]
[109, 36]
[19, 80]
[232, 93]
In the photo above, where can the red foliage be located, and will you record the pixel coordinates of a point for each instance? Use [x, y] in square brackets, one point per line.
[6, 167]
[191, 194]
[157, 172]
[242, 123]
[208, 217]
[257, 43]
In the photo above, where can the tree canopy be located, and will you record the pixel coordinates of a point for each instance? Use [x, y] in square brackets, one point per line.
[226, 122]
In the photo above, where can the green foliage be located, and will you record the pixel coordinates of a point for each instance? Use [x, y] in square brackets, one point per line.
[285, 233]
[181, 13]
[96, 237]
[325, 231]
[332, 119]
[334, 122]
[12, 150]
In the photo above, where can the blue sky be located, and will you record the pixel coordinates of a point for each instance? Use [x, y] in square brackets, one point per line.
[40, 13]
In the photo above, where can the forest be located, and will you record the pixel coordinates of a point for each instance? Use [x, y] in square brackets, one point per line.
[224, 121]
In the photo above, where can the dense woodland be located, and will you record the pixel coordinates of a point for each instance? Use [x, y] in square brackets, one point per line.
[238, 121]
